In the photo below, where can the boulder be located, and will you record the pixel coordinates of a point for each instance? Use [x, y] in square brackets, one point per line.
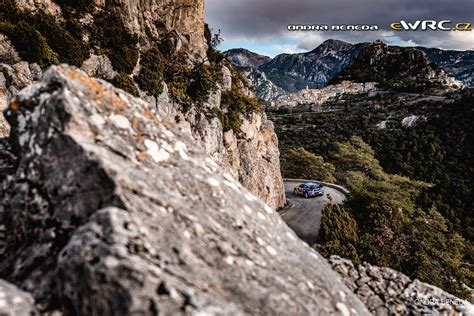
[112, 210]
[14, 301]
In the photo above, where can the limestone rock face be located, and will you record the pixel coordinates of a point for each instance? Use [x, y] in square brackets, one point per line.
[111, 210]
[14, 301]
[389, 292]
[99, 66]
[251, 157]
[150, 19]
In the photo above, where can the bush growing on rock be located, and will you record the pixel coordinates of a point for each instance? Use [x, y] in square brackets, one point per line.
[150, 77]
[338, 233]
[29, 43]
[187, 84]
[39, 38]
[125, 82]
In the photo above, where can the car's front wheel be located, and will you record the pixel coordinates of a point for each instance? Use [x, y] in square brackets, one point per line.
[306, 195]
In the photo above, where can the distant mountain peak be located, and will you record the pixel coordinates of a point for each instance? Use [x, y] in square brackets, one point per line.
[242, 57]
[332, 44]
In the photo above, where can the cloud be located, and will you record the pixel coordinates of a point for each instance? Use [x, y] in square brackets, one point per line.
[267, 20]
[287, 48]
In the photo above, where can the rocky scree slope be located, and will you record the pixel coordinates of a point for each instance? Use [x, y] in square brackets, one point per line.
[389, 292]
[112, 210]
[150, 49]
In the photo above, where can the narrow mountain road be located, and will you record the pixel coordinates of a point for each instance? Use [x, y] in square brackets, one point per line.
[304, 215]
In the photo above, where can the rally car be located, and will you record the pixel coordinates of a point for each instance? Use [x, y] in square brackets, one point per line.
[309, 189]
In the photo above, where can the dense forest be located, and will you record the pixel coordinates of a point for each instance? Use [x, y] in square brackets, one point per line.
[411, 201]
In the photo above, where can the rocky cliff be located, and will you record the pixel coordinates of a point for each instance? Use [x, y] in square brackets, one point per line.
[157, 50]
[112, 210]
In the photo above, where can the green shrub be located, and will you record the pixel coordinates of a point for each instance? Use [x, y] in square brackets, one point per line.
[70, 49]
[236, 100]
[302, 164]
[187, 84]
[118, 43]
[150, 77]
[230, 120]
[202, 81]
[29, 43]
[176, 73]
[39, 38]
[125, 82]
[339, 233]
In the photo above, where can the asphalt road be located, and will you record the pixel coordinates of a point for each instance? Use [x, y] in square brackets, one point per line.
[304, 215]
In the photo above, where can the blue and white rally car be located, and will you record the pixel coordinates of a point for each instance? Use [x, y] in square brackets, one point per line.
[309, 189]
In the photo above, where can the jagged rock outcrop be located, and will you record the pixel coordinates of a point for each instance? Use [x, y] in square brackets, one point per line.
[112, 210]
[389, 292]
[14, 301]
[151, 19]
[264, 88]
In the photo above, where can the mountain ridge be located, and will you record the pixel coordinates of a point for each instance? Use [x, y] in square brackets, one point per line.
[314, 69]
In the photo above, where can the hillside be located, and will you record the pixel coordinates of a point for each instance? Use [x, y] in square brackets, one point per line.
[459, 64]
[416, 136]
[395, 68]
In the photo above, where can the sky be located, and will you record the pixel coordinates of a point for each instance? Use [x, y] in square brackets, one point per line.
[261, 25]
